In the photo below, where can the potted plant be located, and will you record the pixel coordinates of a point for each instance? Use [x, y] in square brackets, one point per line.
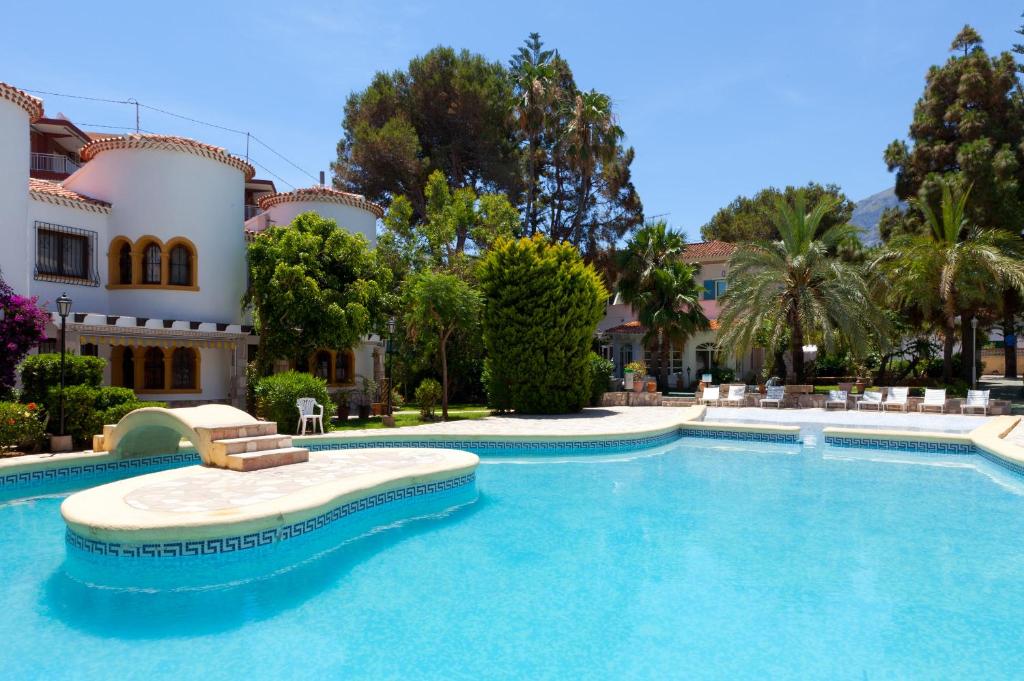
[365, 395]
[634, 370]
[652, 386]
[627, 378]
[342, 399]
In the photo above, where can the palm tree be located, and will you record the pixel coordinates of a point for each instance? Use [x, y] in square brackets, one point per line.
[593, 137]
[662, 290]
[797, 286]
[536, 90]
[950, 268]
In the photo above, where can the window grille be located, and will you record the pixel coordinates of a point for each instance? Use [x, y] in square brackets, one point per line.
[66, 255]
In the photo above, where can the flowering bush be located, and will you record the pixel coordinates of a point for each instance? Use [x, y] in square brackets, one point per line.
[21, 426]
[22, 327]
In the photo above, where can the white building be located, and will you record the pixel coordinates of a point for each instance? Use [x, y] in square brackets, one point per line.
[147, 235]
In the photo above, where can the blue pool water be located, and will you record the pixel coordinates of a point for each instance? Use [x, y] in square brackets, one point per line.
[698, 560]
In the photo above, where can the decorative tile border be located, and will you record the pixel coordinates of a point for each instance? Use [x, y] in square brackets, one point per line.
[923, 446]
[749, 435]
[233, 544]
[998, 460]
[497, 446]
[86, 471]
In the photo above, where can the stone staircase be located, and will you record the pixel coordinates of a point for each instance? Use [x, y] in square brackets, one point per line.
[252, 447]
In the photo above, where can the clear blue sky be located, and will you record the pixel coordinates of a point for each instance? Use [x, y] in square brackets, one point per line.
[718, 99]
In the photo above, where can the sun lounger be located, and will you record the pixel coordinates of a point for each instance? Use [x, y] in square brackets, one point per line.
[736, 397]
[774, 395]
[897, 399]
[976, 399]
[711, 394]
[934, 398]
[837, 398]
[872, 399]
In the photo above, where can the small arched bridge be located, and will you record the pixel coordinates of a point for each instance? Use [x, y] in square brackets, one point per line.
[223, 436]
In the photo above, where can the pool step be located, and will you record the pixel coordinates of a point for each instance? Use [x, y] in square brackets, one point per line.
[251, 430]
[257, 443]
[267, 458]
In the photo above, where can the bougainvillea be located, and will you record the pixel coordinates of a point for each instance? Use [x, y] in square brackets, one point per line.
[22, 326]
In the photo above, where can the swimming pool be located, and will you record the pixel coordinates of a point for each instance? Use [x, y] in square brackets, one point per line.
[698, 559]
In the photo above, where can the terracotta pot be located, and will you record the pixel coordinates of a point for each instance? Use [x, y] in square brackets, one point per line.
[378, 408]
[343, 411]
[364, 411]
[638, 385]
[652, 386]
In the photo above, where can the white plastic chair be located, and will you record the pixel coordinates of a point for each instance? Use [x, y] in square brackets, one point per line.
[837, 398]
[872, 399]
[976, 399]
[897, 398]
[311, 412]
[774, 394]
[737, 396]
[711, 394]
[934, 398]
[707, 378]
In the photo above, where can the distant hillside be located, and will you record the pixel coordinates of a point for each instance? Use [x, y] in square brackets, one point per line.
[869, 211]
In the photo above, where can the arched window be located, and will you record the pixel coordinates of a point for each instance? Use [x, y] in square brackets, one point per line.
[127, 368]
[153, 366]
[705, 357]
[322, 365]
[151, 264]
[181, 266]
[183, 369]
[124, 264]
[344, 363]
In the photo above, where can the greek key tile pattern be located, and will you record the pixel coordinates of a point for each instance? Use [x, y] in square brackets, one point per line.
[927, 447]
[499, 446]
[1009, 465]
[266, 537]
[752, 436]
[123, 468]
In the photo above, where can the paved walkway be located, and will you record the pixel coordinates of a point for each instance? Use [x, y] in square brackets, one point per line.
[948, 423]
[202, 488]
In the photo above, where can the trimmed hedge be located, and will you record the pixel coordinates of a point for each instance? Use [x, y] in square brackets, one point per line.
[40, 373]
[542, 306]
[88, 409]
[276, 396]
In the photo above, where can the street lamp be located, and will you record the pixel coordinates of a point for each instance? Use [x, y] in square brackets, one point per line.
[63, 309]
[974, 353]
[389, 351]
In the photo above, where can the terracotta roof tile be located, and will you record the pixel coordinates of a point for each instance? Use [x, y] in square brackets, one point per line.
[56, 193]
[635, 327]
[328, 194]
[708, 250]
[33, 105]
[166, 142]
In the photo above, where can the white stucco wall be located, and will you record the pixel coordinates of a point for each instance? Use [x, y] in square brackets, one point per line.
[354, 220]
[170, 194]
[84, 298]
[14, 165]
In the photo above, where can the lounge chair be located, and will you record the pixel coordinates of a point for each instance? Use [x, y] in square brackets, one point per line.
[872, 399]
[707, 378]
[837, 398]
[711, 394]
[775, 394]
[976, 399]
[934, 398]
[897, 399]
[308, 414]
[736, 397]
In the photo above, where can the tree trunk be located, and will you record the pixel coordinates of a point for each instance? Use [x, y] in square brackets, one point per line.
[779, 368]
[797, 347]
[967, 353]
[947, 350]
[663, 358]
[444, 376]
[1009, 327]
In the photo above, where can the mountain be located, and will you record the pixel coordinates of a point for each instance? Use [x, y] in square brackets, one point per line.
[867, 212]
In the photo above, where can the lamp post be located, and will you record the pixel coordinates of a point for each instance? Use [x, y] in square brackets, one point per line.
[974, 353]
[63, 309]
[389, 350]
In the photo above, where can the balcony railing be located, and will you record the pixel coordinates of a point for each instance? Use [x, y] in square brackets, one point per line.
[252, 211]
[53, 163]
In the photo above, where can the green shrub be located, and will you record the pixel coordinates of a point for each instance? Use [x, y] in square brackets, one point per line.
[276, 396]
[111, 415]
[601, 371]
[428, 394]
[88, 409]
[720, 375]
[542, 306]
[498, 396]
[21, 426]
[40, 373]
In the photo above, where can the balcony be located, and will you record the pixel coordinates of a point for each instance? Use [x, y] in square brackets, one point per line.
[46, 166]
[251, 211]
